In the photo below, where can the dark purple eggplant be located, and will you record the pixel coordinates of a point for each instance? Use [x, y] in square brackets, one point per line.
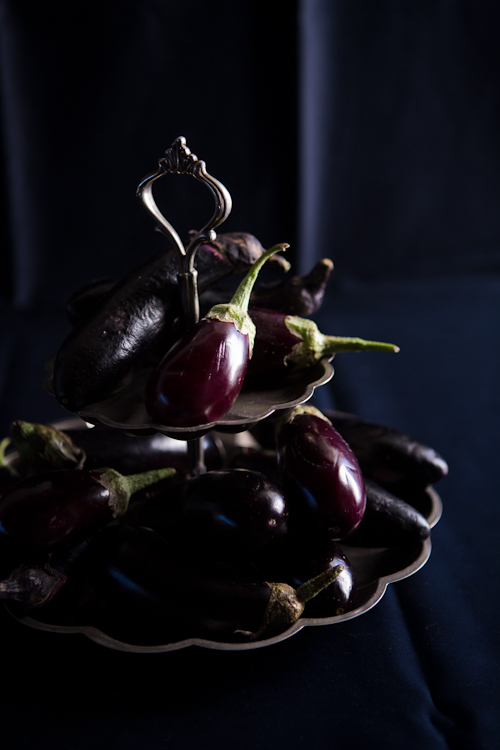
[388, 521]
[129, 454]
[200, 377]
[228, 514]
[318, 461]
[36, 585]
[58, 510]
[149, 588]
[389, 457]
[298, 295]
[133, 321]
[288, 345]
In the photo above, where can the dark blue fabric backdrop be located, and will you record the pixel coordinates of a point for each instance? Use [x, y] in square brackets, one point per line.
[362, 131]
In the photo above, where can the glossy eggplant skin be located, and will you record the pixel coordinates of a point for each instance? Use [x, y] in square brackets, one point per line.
[228, 515]
[273, 343]
[388, 521]
[389, 457]
[311, 557]
[317, 459]
[298, 295]
[54, 511]
[200, 377]
[82, 302]
[132, 322]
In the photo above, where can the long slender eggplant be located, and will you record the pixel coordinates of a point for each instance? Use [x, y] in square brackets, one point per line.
[388, 521]
[318, 461]
[287, 345]
[58, 510]
[389, 457]
[37, 584]
[133, 320]
[200, 377]
[45, 448]
[136, 573]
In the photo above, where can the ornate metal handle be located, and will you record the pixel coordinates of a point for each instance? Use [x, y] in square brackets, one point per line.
[178, 159]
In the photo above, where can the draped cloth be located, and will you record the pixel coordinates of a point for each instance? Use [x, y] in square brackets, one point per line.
[366, 132]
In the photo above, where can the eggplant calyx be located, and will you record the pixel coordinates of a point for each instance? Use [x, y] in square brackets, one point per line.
[236, 311]
[296, 412]
[42, 446]
[313, 345]
[287, 604]
[121, 488]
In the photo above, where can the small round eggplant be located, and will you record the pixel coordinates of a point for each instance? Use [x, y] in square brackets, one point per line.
[148, 587]
[309, 559]
[319, 462]
[288, 345]
[299, 295]
[228, 514]
[200, 377]
[60, 509]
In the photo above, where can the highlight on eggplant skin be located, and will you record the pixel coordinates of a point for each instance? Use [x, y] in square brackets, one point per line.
[314, 456]
[133, 320]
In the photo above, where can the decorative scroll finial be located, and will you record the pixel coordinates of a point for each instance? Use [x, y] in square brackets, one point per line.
[179, 159]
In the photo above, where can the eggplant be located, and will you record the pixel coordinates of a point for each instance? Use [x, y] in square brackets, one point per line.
[231, 514]
[158, 592]
[388, 521]
[317, 462]
[389, 457]
[38, 584]
[298, 295]
[58, 510]
[200, 377]
[288, 345]
[133, 320]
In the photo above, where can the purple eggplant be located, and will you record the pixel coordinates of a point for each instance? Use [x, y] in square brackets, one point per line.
[58, 510]
[133, 321]
[298, 295]
[310, 557]
[288, 345]
[200, 377]
[149, 587]
[388, 521]
[85, 300]
[389, 457]
[320, 464]
[128, 454]
[229, 514]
